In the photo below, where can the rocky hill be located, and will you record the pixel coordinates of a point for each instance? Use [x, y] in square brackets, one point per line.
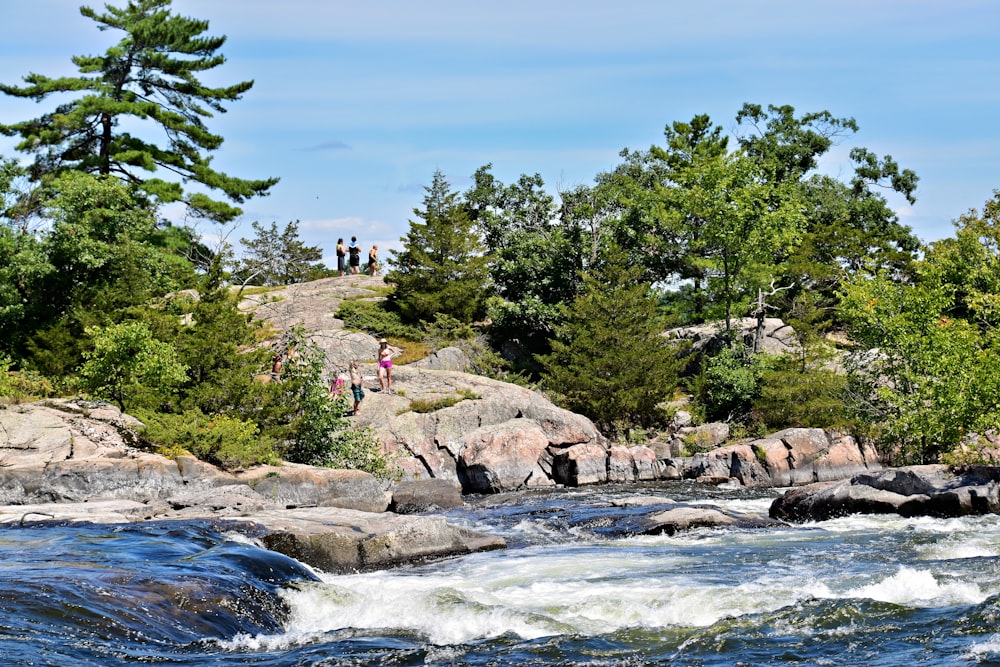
[502, 437]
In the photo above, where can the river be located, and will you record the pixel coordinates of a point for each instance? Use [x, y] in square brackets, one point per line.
[573, 588]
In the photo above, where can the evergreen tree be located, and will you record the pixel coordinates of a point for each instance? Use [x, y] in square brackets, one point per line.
[441, 268]
[274, 258]
[609, 360]
[148, 81]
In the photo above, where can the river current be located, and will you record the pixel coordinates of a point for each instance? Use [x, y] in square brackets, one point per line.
[575, 587]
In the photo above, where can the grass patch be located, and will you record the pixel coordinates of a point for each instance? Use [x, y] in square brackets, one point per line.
[413, 350]
[253, 290]
[423, 405]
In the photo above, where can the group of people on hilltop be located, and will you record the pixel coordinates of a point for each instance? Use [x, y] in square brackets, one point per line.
[349, 257]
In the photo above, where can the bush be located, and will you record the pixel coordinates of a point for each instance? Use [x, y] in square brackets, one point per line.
[373, 317]
[793, 394]
[225, 441]
[728, 384]
[18, 386]
[321, 434]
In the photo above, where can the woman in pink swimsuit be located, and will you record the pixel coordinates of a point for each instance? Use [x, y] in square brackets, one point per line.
[384, 366]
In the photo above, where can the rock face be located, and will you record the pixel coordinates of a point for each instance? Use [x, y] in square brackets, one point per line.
[71, 461]
[495, 437]
[791, 457]
[492, 437]
[929, 490]
[776, 336]
[66, 451]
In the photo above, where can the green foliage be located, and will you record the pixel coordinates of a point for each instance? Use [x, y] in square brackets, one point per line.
[441, 268]
[796, 394]
[729, 383]
[445, 329]
[721, 222]
[274, 258]
[23, 266]
[733, 219]
[535, 258]
[101, 255]
[226, 441]
[127, 360]
[323, 435]
[609, 360]
[932, 380]
[373, 317]
[147, 83]
[17, 386]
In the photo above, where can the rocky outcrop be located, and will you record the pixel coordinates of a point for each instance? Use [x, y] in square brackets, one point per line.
[75, 451]
[334, 540]
[445, 359]
[426, 495]
[688, 517]
[348, 541]
[791, 457]
[928, 490]
[654, 515]
[493, 437]
[75, 461]
[776, 337]
[489, 436]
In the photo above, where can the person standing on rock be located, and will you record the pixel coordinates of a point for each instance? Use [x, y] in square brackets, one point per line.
[356, 389]
[341, 254]
[354, 250]
[384, 366]
[373, 261]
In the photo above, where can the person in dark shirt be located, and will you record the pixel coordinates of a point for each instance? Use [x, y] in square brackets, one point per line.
[354, 250]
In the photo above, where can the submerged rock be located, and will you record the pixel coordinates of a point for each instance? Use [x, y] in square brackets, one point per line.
[688, 517]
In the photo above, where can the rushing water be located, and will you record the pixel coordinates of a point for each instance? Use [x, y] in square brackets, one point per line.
[573, 588]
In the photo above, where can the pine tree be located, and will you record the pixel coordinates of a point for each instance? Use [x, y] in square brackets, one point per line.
[148, 81]
[441, 268]
[274, 258]
[609, 360]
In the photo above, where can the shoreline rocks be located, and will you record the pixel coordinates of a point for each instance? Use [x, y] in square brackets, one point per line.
[925, 490]
[75, 461]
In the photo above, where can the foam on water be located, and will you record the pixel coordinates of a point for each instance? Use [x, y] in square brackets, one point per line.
[697, 581]
[919, 588]
[582, 591]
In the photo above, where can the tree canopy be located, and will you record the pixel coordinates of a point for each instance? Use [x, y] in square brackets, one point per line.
[441, 268]
[146, 84]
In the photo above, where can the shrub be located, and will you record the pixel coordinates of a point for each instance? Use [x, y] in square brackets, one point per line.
[225, 441]
[793, 394]
[321, 434]
[22, 385]
[728, 384]
[373, 317]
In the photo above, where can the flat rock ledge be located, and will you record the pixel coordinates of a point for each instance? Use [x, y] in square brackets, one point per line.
[926, 490]
[330, 539]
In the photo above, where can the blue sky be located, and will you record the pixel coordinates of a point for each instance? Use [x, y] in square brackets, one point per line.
[356, 104]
